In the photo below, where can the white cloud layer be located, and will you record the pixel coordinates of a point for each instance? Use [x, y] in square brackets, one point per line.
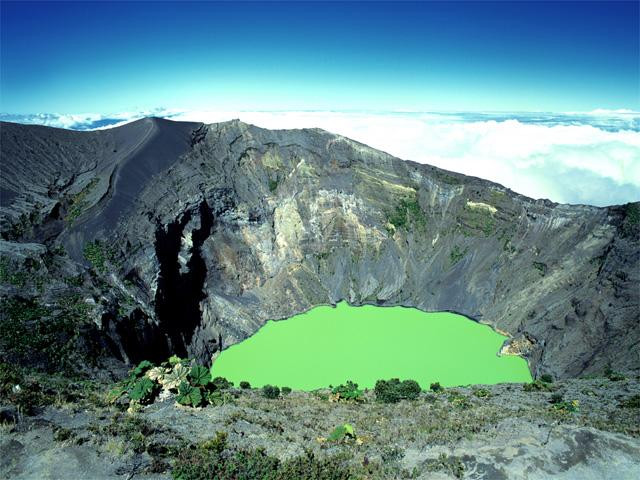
[591, 158]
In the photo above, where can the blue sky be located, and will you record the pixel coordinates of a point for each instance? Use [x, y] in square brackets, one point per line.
[112, 57]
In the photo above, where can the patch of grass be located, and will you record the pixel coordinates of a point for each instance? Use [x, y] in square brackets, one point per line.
[476, 220]
[456, 255]
[406, 213]
[134, 430]
[207, 461]
[78, 202]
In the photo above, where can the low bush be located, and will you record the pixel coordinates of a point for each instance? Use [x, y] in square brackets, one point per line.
[436, 387]
[537, 386]
[631, 402]
[546, 378]
[245, 385]
[286, 390]
[270, 391]
[393, 390]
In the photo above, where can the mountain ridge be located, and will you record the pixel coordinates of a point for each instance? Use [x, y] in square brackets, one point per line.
[304, 217]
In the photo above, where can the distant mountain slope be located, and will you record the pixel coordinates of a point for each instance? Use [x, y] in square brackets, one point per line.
[208, 231]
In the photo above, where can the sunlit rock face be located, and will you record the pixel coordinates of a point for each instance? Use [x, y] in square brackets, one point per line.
[216, 228]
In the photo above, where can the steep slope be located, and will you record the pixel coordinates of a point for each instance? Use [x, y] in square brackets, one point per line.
[209, 231]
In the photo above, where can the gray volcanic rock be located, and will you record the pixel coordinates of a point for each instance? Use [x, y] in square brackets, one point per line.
[209, 231]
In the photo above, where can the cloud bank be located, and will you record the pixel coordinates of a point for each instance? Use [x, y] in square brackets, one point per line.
[591, 158]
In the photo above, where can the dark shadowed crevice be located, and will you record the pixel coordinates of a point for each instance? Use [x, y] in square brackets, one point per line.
[178, 295]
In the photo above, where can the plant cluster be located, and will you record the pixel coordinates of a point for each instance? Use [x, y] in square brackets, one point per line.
[393, 390]
[191, 384]
[347, 392]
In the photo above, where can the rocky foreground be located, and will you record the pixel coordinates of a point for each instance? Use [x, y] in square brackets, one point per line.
[575, 429]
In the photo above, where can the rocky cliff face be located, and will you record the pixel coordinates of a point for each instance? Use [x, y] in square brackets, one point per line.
[197, 234]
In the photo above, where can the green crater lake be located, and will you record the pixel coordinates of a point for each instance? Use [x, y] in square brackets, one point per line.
[330, 345]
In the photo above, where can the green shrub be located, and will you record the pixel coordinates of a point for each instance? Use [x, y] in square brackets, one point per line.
[270, 391]
[221, 383]
[546, 378]
[631, 402]
[393, 390]
[348, 391]
[613, 375]
[286, 390]
[537, 386]
[556, 398]
[436, 387]
[245, 385]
